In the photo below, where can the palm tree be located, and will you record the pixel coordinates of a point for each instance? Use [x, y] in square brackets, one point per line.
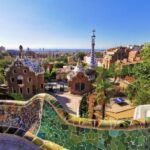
[103, 91]
[115, 70]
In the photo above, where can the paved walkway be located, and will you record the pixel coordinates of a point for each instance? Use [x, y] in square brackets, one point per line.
[70, 102]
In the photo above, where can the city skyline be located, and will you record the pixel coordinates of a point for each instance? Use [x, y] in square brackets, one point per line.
[69, 24]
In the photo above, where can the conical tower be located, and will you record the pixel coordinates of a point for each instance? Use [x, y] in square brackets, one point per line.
[79, 67]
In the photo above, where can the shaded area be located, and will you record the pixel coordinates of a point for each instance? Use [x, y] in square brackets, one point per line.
[12, 142]
[69, 102]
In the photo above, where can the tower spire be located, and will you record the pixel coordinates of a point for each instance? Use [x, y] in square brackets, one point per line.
[92, 57]
[21, 53]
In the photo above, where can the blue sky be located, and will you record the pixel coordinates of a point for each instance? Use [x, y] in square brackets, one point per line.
[68, 23]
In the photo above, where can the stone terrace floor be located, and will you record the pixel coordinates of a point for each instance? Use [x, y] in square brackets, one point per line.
[69, 101]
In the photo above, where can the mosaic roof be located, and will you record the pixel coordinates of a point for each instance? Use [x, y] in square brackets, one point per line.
[33, 65]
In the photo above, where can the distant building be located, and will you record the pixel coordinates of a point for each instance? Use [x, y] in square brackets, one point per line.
[25, 76]
[70, 60]
[122, 54]
[2, 49]
[48, 67]
[13, 53]
[133, 56]
[30, 54]
[61, 73]
[79, 82]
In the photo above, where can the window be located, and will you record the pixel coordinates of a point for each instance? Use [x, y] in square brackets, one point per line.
[82, 86]
[28, 90]
[79, 86]
[34, 89]
[19, 81]
[29, 79]
[25, 71]
[20, 90]
[12, 80]
[41, 86]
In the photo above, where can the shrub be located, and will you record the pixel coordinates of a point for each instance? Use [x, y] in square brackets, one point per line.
[16, 96]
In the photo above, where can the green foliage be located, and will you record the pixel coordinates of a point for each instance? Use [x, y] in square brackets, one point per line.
[131, 91]
[139, 91]
[47, 76]
[2, 79]
[83, 110]
[50, 75]
[59, 65]
[60, 59]
[103, 89]
[128, 70]
[80, 55]
[3, 65]
[101, 73]
[16, 96]
[99, 54]
[145, 53]
[142, 71]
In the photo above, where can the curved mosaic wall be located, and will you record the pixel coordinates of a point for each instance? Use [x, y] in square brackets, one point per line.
[71, 132]
[77, 138]
[24, 115]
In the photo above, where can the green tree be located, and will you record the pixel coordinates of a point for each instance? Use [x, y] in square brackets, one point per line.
[99, 54]
[127, 70]
[80, 55]
[83, 110]
[3, 65]
[145, 53]
[139, 91]
[16, 96]
[103, 90]
[59, 65]
[2, 79]
[47, 76]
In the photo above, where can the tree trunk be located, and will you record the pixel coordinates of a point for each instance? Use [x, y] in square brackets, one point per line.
[103, 110]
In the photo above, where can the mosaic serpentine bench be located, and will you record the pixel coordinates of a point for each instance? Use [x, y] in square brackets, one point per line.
[95, 124]
[44, 116]
[27, 140]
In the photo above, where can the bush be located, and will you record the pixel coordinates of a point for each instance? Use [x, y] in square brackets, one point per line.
[59, 65]
[83, 110]
[16, 96]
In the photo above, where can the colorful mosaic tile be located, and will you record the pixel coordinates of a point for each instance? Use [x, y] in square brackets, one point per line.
[77, 138]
